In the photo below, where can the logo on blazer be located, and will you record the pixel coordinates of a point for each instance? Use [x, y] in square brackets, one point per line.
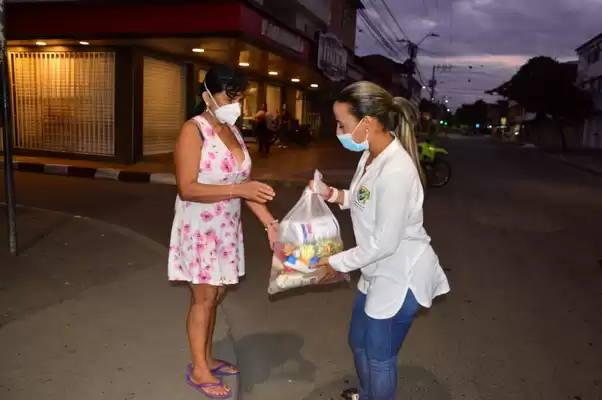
[363, 195]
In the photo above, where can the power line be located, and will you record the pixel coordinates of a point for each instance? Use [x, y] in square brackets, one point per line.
[420, 77]
[395, 20]
[376, 34]
[389, 31]
[369, 29]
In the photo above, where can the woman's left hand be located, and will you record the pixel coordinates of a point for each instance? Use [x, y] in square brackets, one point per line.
[273, 234]
[325, 270]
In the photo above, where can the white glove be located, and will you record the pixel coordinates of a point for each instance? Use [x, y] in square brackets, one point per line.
[319, 187]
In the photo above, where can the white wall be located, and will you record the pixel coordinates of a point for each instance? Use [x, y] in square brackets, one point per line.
[320, 8]
[587, 71]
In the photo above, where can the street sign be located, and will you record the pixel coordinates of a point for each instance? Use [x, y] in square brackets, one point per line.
[332, 57]
[9, 191]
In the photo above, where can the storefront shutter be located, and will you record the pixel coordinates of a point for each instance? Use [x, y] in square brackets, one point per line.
[64, 101]
[164, 105]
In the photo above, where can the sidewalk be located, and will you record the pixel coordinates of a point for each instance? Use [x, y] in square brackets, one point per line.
[86, 312]
[292, 166]
[585, 162]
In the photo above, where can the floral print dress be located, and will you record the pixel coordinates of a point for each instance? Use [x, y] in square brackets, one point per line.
[206, 244]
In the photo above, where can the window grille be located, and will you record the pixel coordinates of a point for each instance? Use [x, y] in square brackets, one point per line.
[64, 101]
[164, 109]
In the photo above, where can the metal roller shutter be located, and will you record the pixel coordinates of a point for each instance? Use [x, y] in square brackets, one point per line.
[164, 105]
[64, 101]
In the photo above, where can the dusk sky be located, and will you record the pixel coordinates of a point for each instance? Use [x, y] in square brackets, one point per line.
[496, 37]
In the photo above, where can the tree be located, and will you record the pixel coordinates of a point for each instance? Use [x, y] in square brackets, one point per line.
[547, 87]
[472, 114]
[427, 106]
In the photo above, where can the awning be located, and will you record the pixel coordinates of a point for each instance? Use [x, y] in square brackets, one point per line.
[257, 61]
[91, 21]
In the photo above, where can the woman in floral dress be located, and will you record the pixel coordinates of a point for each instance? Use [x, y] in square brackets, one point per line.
[212, 171]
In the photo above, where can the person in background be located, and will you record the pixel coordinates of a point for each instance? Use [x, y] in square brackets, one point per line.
[206, 249]
[284, 127]
[400, 272]
[261, 130]
[271, 120]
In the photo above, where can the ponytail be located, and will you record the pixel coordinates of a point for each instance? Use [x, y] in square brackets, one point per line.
[405, 131]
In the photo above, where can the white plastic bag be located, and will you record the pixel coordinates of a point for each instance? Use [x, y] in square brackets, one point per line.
[310, 231]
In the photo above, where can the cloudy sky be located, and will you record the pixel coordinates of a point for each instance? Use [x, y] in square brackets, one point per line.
[495, 37]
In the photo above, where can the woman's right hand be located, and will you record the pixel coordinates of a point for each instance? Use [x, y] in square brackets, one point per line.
[256, 191]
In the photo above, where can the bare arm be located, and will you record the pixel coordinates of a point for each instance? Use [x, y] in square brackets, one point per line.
[267, 219]
[188, 158]
[261, 212]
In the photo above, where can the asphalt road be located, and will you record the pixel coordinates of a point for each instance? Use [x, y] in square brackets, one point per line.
[519, 236]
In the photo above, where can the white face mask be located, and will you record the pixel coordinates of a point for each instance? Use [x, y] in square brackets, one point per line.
[227, 114]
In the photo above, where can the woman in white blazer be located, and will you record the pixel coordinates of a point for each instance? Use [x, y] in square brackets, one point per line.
[400, 272]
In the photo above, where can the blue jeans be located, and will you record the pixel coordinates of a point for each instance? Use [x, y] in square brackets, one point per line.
[376, 343]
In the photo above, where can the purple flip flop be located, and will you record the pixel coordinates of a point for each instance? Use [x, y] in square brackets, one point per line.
[219, 370]
[204, 386]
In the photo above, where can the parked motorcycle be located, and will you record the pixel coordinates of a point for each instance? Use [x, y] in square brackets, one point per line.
[437, 170]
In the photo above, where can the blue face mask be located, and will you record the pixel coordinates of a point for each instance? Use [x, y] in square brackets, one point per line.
[347, 141]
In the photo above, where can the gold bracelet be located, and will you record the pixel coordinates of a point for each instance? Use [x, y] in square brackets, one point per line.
[268, 226]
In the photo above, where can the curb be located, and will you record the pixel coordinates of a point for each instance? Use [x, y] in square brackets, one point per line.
[97, 173]
[154, 246]
[160, 178]
[564, 160]
[577, 165]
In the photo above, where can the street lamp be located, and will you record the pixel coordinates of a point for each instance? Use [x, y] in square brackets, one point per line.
[428, 35]
[413, 47]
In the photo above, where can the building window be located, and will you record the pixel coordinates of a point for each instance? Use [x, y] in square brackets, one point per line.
[250, 106]
[594, 55]
[273, 98]
[300, 107]
[202, 73]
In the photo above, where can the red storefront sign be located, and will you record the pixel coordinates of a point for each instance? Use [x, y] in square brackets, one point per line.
[78, 20]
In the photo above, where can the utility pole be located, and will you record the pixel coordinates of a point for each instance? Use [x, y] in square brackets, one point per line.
[433, 81]
[9, 185]
[413, 54]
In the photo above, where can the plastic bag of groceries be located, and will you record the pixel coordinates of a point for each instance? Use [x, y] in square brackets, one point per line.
[308, 233]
